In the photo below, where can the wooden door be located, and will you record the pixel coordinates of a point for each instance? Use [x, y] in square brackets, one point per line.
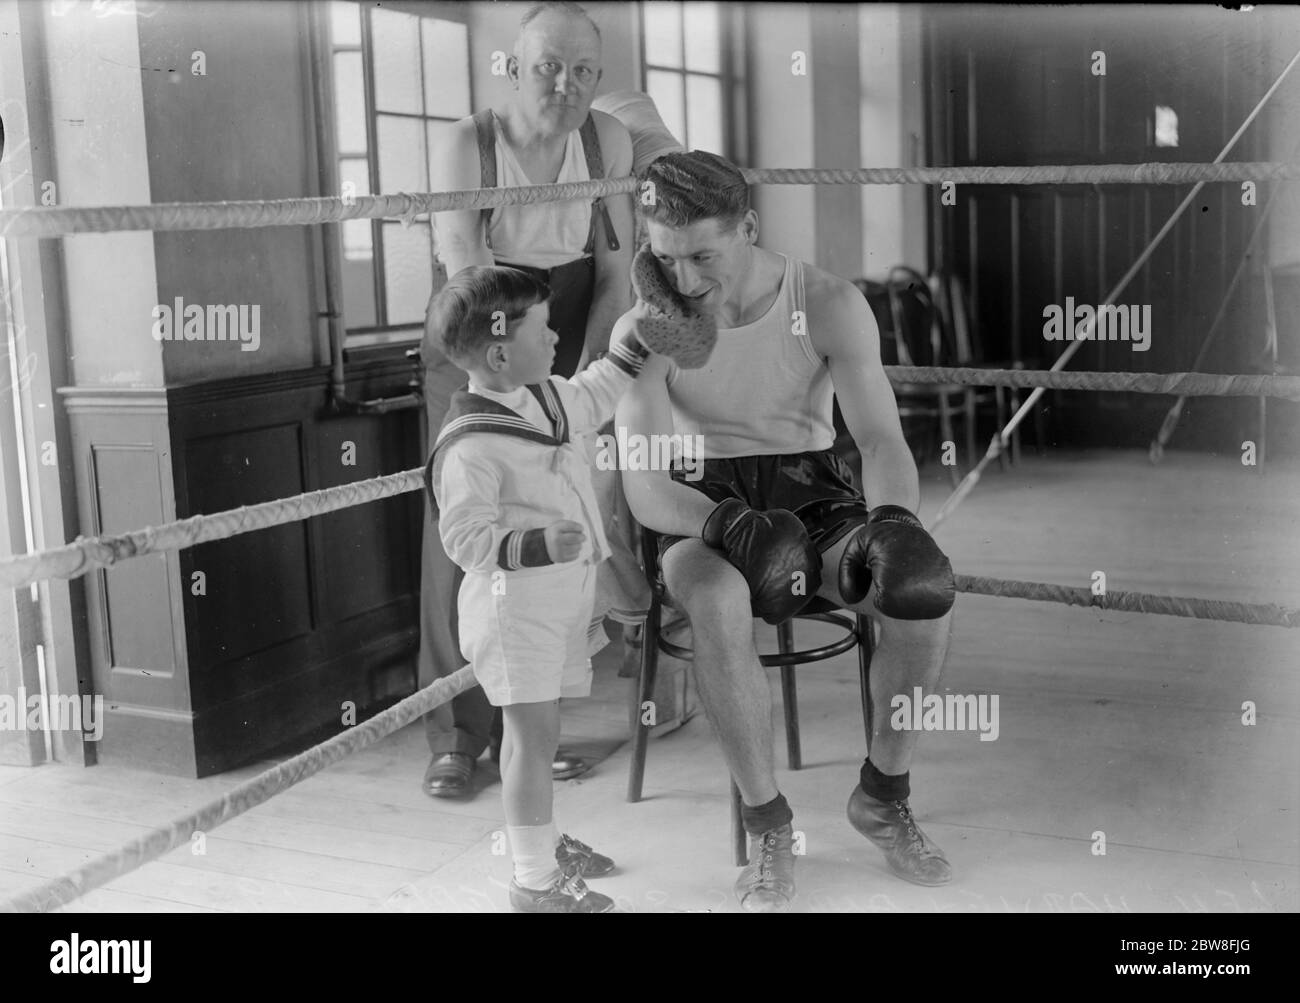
[1025, 86]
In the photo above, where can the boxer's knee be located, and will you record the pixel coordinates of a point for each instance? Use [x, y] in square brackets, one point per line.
[712, 593]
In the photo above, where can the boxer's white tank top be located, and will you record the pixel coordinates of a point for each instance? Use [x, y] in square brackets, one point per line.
[544, 234]
[764, 390]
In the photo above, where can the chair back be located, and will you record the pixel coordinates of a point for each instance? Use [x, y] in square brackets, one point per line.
[915, 317]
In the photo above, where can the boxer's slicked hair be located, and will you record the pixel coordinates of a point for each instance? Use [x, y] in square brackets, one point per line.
[557, 7]
[689, 187]
[467, 314]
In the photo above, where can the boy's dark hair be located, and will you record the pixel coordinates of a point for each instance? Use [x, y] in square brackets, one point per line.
[689, 187]
[478, 305]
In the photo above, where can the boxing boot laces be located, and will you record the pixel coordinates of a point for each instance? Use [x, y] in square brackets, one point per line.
[891, 826]
[767, 882]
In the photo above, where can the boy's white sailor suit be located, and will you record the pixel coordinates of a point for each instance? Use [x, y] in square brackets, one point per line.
[503, 468]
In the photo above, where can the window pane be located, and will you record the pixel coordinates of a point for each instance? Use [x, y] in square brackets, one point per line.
[358, 294]
[703, 41]
[408, 271]
[663, 33]
[345, 23]
[666, 89]
[401, 155]
[446, 68]
[350, 103]
[704, 114]
[1166, 126]
[396, 58]
[357, 238]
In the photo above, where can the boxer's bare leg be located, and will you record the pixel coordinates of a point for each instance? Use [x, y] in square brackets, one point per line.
[910, 653]
[728, 676]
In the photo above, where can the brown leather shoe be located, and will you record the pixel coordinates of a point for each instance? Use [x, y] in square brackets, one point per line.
[908, 851]
[767, 883]
[448, 775]
[567, 765]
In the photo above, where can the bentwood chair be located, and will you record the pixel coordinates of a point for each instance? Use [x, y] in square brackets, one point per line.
[857, 633]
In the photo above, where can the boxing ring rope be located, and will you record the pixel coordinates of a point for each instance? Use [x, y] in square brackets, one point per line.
[1192, 384]
[53, 221]
[999, 441]
[84, 555]
[152, 845]
[1157, 448]
[1268, 614]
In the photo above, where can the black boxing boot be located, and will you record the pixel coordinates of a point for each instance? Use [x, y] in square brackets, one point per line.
[890, 826]
[912, 576]
[772, 550]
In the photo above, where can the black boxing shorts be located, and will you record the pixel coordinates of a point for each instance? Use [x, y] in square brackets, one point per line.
[817, 487]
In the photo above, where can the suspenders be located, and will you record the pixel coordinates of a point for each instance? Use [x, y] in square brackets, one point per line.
[487, 160]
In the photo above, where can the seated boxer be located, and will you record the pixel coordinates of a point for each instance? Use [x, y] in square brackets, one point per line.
[775, 518]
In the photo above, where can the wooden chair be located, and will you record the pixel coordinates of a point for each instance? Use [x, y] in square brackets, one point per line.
[858, 632]
[962, 342]
[918, 336]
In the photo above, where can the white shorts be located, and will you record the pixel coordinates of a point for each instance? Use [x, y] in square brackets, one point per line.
[526, 634]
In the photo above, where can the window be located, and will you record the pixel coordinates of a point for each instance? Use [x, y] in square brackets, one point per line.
[687, 71]
[1166, 126]
[399, 80]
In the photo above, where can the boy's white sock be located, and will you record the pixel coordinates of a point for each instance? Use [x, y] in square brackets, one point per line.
[533, 850]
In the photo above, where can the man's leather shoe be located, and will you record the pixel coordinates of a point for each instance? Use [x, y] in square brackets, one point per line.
[567, 765]
[767, 883]
[908, 851]
[448, 775]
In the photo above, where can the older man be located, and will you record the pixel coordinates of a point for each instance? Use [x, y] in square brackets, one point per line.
[545, 133]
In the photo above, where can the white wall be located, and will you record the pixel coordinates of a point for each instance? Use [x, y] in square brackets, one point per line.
[782, 125]
[891, 116]
[98, 130]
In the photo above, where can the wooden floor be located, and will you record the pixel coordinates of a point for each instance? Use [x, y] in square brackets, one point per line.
[1121, 724]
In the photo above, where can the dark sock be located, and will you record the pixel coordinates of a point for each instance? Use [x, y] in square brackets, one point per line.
[766, 817]
[882, 786]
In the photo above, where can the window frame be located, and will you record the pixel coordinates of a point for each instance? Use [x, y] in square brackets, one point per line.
[726, 75]
[382, 332]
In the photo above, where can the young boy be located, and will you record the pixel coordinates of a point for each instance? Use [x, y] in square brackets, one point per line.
[519, 515]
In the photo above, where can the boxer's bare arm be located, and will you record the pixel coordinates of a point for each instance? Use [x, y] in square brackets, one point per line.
[612, 294]
[844, 331]
[454, 166]
[654, 497]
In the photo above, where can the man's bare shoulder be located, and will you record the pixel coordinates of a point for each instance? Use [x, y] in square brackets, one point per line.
[839, 317]
[455, 155]
[615, 141]
[823, 287]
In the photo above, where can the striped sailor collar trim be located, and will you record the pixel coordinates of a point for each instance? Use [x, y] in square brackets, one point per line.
[471, 412]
